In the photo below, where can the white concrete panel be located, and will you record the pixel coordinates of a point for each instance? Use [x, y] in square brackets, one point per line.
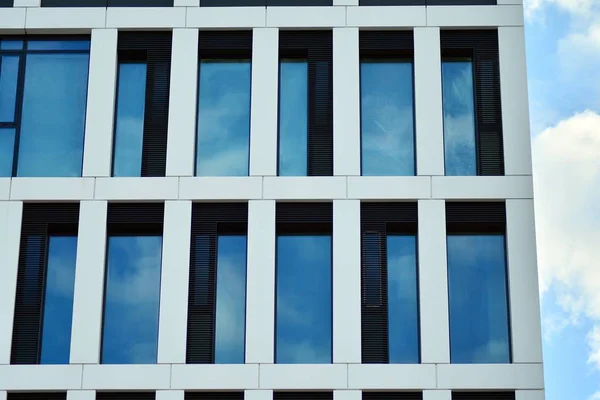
[3, 394]
[345, 2]
[168, 395]
[437, 395]
[4, 188]
[27, 3]
[347, 395]
[529, 395]
[186, 3]
[264, 101]
[475, 16]
[76, 19]
[428, 102]
[508, 2]
[52, 189]
[490, 376]
[433, 282]
[126, 377]
[181, 139]
[97, 146]
[260, 282]
[346, 102]
[12, 20]
[154, 188]
[172, 327]
[257, 395]
[220, 188]
[306, 17]
[515, 107]
[89, 283]
[346, 282]
[11, 213]
[482, 187]
[145, 17]
[303, 376]
[391, 376]
[215, 377]
[81, 395]
[386, 16]
[523, 282]
[40, 377]
[389, 187]
[226, 17]
[304, 188]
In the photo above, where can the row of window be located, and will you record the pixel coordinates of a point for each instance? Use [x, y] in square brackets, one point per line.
[477, 283]
[43, 87]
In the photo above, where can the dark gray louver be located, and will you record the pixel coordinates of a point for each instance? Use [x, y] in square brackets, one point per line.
[214, 395]
[475, 217]
[107, 3]
[125, 396]
[302, 396]
[483, 396]
[392, 396]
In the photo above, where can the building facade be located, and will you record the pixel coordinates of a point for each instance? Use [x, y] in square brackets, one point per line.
[266, 200]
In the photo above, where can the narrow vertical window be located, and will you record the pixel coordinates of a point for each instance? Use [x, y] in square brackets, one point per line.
[9, 73]
[459, 117]
[293, 118]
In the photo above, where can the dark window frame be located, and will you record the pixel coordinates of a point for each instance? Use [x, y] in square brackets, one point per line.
[491, 395]
[265, 3]
[427, 2]
[368, 395]
[107, 3]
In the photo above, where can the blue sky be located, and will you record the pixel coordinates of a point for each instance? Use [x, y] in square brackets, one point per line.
[563, 56]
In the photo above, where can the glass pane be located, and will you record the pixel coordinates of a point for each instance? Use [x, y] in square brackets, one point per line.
[129, 129]
[6, 44]
[58, 45]
[131, 300]
[387, 118]
[7, 150]
[53, 120]
[403, 313]
[303, 322]
[478, 300]
[231, 300]
[459, 118]
[9, 72]
[58, 300]
[223, 140]
[293, 118]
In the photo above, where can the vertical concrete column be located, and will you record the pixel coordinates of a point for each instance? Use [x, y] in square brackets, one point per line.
[99, 120]
[169, 395]
[523, 282]
[11, 213]
[260, 286]
[346, 282]
[346, 102]
[183, 100]
[27, 3]
[437, 395]
[172, 327]
[264, 102]
[89, 283]
[433, 282]
[347, 395]
[81, 395]
[515, 106]
[529, 395]
[428, 102]
[258, 395]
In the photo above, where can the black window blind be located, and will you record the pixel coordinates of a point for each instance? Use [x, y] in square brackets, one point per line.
[135, 219]
[302, 396]
[482, 47]
[107, 3]
[483, 395]
[208, 222]
[475, 217]
[427, 2]
[377, 221]
[39, 222]
[37, 396]
[316, 48]
[125, 395]
[264, 3]
[225, 44]
[386, 44]
[214, 395]
[6, 3]
[304, 218]
[153, 48]
[392, 396]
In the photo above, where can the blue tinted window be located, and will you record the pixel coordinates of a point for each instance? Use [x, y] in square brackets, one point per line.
[9, 72]
[129, 129]
[403, 309]
[478, 299]
[303, 322]
[53, 118]
[6, 44]
[459, 118]
[7, 149]
[223, 140]
[231, 300]
[58, 300]
[293, 118]
[58, 45]
[387, 118]
[131, 300]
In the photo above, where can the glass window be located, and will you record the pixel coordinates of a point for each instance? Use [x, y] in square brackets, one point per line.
[231, 300]
[130, 334]
[478, 299]
[387, 117]
[303, 322]
[7, 44]
[53, 116]
[459, 117]
[403, 309]
[293, 118]
[58, 45]
[7, 149]
[58, 299]
[129, 127]
[223, 137]
[9, 72]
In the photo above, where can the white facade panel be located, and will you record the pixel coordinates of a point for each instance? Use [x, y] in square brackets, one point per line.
[4, 188]
[215, 377]
[490, 376]
[27, 3]
[529, 395]
[393, 376]
[81, 395]
[303, 376]
[52, 189]
[386, 16]
[306, 17]
[137, 188]
[145, 18]
[437, 395]
[482, 187]
[475, 16]
[220, 188]
[226, 17]
[71, 20]
[304, 188]
[389, 187]
[126, 377]
[40, 377]
[12, 20]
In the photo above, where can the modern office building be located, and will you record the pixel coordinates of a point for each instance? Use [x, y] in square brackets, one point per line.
[266, 200]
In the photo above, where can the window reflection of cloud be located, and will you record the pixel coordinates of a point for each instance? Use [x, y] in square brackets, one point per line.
[223, 137]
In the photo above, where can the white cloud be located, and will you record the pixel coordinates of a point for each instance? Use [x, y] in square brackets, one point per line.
[573, 6]
[595, 396]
